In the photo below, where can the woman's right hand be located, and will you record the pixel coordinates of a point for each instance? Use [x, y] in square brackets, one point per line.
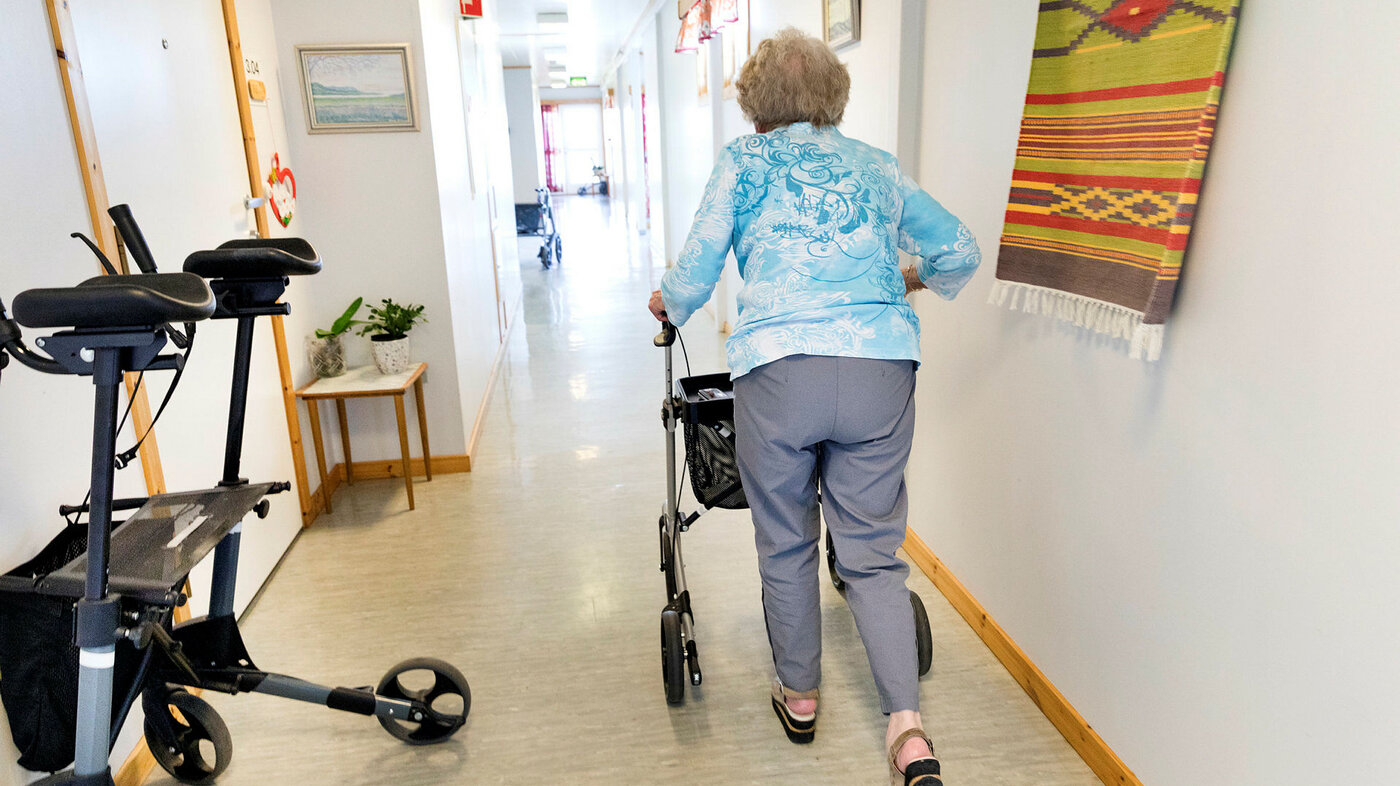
[657, 306]
[911, 281]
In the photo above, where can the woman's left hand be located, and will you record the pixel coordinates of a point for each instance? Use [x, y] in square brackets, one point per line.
[657, 306]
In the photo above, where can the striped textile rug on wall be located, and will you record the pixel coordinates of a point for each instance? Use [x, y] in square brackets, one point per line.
[1119, 118]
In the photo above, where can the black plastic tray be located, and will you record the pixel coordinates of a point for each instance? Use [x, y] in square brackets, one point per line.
[706, 411]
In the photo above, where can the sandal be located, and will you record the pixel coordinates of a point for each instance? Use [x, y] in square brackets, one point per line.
[800, 729]
[920, 772]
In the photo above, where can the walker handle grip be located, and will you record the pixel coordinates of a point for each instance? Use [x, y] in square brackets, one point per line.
[666, 337]
[132, 237]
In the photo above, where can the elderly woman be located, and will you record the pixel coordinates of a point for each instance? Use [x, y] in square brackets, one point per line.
[823, 358]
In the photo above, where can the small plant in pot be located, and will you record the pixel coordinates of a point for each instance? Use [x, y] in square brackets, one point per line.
[325, 351]
[388, 327]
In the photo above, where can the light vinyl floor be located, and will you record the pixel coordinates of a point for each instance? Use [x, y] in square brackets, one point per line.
[536, 574]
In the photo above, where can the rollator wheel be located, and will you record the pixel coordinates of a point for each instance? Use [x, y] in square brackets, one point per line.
[436, 684]
[831, 564]
[202, 746]
[923, 636]
[544, 256]
[672, 656]
[558, 250]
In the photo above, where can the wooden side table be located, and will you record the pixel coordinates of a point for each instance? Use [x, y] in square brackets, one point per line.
[367, 382]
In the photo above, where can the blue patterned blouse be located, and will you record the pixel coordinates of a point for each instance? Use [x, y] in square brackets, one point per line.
[814, 219]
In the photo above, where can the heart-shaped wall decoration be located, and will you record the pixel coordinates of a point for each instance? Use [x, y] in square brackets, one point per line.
[281, 191]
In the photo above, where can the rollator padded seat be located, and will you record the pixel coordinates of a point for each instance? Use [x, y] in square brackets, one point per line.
[124, 301]
[256, 258]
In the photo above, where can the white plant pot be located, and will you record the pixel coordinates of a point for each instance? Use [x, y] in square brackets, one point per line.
[326, 356]
[391, 357]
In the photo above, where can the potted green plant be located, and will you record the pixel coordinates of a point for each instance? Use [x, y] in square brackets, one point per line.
[388, 327]
[324, 350]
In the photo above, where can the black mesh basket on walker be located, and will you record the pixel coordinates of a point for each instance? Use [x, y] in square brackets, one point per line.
[708, 414]
[39, 662]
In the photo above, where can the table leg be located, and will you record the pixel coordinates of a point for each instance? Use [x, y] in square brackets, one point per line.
[403, 447]
[423, 427]
[311, 407]
[345, 441]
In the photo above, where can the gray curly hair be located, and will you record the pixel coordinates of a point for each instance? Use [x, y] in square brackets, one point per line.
[793, 78]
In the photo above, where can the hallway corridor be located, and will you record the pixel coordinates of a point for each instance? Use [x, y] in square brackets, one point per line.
[535, 574]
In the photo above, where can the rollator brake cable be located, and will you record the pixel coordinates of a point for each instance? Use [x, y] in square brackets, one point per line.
[684, 354]
[127, 456]
[101, 257]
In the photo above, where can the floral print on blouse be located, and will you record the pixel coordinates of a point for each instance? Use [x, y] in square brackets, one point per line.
[814, 219]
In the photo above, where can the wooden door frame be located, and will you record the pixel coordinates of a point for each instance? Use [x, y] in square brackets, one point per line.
[104, 234]
[279, 331]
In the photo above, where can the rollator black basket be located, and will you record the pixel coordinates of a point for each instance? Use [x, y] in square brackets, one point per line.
[708, 414]
[39, 663]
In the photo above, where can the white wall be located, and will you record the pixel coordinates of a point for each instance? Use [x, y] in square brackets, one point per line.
[523, 114]
[45, 420]
[370, 204]
[488, 109]
[1199, 553]
[686, 136]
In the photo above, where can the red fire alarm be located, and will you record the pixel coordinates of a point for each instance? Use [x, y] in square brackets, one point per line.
[471, 9]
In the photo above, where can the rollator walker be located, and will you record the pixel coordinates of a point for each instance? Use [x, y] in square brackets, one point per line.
[704, 406]
[128, 577]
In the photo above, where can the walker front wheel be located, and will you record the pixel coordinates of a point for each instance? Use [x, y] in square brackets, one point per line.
[439, 693]
[672, 656]
[923, 636]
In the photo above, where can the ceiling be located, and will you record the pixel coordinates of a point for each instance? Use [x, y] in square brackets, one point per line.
[585, 45]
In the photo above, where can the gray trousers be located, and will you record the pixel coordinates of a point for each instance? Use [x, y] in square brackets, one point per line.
[846, 423]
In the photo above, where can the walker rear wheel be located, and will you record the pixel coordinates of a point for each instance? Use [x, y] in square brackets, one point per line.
[190, 741]
[923, 636]
[438, 687]
[672, 656]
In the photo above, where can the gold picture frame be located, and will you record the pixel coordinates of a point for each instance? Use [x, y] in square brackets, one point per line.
[357, 88]
[841, 22]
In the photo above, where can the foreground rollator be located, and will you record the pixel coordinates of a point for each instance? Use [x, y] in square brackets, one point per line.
[704, 405]
[129, 576]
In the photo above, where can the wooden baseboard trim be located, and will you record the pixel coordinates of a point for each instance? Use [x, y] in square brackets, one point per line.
[378, 470]
[491, 383]
[137, 767]
[393, 468]
[1077, 731]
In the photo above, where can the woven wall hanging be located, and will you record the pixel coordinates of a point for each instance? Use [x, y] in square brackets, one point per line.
[1119, 118]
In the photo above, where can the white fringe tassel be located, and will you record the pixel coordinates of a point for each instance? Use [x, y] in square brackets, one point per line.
[1144, 341]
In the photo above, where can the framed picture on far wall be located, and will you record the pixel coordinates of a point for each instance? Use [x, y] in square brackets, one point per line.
[841, 22]
[357, 88]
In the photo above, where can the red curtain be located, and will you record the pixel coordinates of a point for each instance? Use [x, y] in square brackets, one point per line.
[549, 122]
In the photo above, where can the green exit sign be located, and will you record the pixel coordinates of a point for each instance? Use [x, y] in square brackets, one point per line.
[578, 81]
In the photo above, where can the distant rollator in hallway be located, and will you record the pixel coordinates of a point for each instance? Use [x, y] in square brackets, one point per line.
[823, 358]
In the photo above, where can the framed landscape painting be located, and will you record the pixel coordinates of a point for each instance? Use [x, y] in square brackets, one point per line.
[357, 88]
